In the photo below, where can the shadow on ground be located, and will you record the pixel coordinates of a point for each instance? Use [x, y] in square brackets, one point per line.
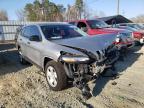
[9, 60]
[6, 46]
[130, 58]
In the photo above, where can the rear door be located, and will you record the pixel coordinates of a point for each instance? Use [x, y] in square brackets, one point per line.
[22, 40]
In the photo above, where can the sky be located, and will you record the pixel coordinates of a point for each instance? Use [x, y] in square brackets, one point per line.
[128, 8]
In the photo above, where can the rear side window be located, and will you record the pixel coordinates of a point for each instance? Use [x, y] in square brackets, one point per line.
[30, 31]
[25, 32]
[34, 31]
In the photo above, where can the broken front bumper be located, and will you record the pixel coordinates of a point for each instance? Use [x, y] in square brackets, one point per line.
[112, 57]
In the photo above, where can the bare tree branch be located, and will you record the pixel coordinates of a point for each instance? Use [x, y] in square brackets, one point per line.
[3, 15]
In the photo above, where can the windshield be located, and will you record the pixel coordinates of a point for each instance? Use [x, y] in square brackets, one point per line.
[97, 24]
[52, 32]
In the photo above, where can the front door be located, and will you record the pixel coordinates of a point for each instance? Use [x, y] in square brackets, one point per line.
[34, 47]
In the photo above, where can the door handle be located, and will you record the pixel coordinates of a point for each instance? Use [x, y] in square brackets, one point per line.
[28, 42]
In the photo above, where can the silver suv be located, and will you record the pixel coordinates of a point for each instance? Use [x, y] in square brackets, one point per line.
[66, 53]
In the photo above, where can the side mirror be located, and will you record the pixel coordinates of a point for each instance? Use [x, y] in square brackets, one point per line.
[34, 38]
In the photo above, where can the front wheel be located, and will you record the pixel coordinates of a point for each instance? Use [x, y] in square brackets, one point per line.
[55, 75]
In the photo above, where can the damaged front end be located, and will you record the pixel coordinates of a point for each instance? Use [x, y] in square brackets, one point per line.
[82, 69]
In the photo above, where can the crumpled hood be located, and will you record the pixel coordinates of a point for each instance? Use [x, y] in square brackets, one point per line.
[92, 44]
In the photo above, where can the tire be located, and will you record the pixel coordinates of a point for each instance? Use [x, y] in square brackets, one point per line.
[22, 60]
[55, 72]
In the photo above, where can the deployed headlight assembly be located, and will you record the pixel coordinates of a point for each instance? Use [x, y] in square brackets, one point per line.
[74, 59]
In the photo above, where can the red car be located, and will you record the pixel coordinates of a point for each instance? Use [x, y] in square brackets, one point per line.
[95, 27]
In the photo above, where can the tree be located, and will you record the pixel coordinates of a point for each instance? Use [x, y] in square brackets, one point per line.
[36, 8]
[21, 15]
[55, 14]
[79, 4]
[3, 15]
[61, 8]
[86, 11]
[43, 11]
[62, 11]
[72, 13]
[30, 12]
[79, 10]
[138, 19]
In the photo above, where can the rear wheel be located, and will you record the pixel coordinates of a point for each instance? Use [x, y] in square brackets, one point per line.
[55, 75]
[22, 60]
